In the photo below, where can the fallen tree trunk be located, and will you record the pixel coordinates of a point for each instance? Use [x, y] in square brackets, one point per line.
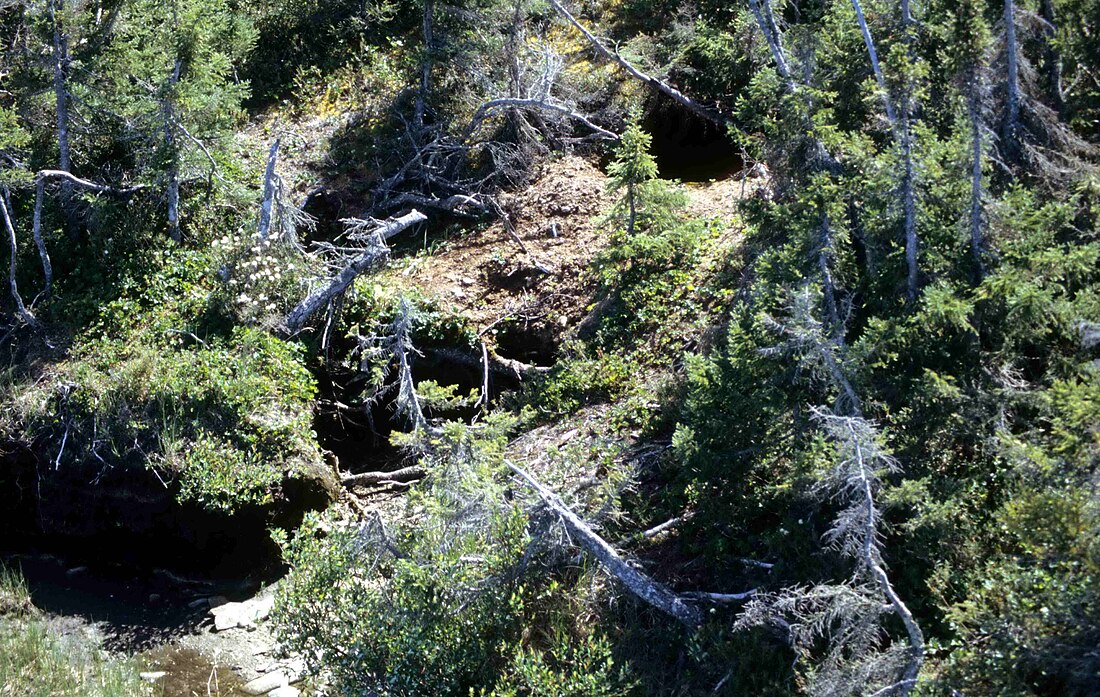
[638, 583]
[404, 475]
[669, 91]
[321, 297]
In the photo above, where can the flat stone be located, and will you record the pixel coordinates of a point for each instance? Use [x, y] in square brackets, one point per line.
[152, 676]
[265, 683]
[243, 614]
[285, 691]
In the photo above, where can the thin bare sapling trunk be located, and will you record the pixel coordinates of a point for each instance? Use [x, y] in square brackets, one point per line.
[1053, 57]
[1011, 127]
[60, 65]
[168, 112]
[20, 308]
[902, 130]
[973, 110]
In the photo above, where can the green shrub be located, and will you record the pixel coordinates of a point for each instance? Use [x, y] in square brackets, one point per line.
[426, 607]
[567, 668]
[228, 417]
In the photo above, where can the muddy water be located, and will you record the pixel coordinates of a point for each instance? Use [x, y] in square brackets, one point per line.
[189, 673]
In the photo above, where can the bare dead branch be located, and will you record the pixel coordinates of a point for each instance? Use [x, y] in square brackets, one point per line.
[497, 364]
[20, 308]
[372, 255]
[675, 94]
[638, 583]
[533, 104]
[404, 475]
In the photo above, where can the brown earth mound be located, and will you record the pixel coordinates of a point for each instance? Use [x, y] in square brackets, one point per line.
[525, 294]
[536, 284]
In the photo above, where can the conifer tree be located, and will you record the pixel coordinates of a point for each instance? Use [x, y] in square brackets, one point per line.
[633, 170]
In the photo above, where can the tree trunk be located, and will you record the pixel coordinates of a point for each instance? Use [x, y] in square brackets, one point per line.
[1053, 57]
[62, 98]
[270, 186]
[766, 21]
[903, 133]
[36, 232]
[669, 91]
[871, 558]
[630, 197]
[168, 111]
[869, 42]
[825, 255]
[20, 307]
[425, 65]
[909, 205]
[1011, 127]
[641, 585]
[974, 112]
[319, 298]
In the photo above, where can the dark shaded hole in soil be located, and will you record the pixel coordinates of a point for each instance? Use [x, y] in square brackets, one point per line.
[533, 342]
[358, 436]
[688, 147]
[136, 609]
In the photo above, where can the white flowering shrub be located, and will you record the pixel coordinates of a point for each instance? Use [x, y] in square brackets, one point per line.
[264, 279]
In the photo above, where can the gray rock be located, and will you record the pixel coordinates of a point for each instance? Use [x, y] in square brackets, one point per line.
[152, 676]
[265, 683]
[285, 691]
[243, 614]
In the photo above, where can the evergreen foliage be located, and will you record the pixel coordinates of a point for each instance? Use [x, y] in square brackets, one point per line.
[871, 396]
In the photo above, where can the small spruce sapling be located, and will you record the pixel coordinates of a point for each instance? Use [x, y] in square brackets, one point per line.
[633, 171]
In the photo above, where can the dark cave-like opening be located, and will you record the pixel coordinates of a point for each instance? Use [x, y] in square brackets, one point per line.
[689, 147]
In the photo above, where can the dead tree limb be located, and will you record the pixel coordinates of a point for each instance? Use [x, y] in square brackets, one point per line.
[85, 184]
[39, 199]
[404, 476]
[533, 104]
[496, 364]
[270, 185]
[452, 204]
[372, 255]
[669, 91]
[641, 585]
